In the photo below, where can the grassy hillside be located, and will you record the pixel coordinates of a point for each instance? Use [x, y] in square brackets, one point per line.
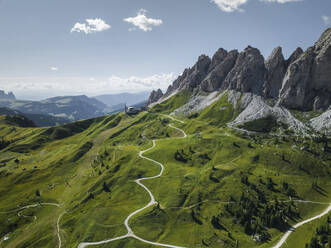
[220, 188]
[173, 102]
[220, 112]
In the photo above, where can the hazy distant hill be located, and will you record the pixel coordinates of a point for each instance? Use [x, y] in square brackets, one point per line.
[38, 119]
[68, 107]
[112, 100]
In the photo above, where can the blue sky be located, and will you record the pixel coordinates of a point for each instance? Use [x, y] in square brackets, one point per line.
[135, 45]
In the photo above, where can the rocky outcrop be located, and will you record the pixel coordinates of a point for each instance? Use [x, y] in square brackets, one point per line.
[296, 81]
[218, 57]
[247, 75]
[155, 96]
[322, 123]
[256, 108]
[227, 70]
[307, 83]
[192, 77]
[276, 68]
[198, 72]
[294, 56]
[301, 82]
[220, 68]
[198, 103]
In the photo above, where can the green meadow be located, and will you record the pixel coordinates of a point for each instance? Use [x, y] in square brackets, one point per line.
[219, 188]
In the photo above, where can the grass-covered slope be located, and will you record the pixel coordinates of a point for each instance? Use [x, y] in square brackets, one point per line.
[219, 188]
[220, 112]
[173, 102]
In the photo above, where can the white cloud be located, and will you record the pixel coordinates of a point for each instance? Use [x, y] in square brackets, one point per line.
[140, 83]
[54, 68]
[235, 5]
[91, 26]
[37, 88]
[229, 5]
[142, 22]
[326, 19]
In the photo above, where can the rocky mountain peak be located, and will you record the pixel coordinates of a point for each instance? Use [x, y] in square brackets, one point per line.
[276, 55]
[294, 56]
[302, 82]
[191, 77]
[155, 96]
[276, 68]
[324, 41]
[307, 83]
[218, 57]
[202, 65]
[247, 75]
[222, 63]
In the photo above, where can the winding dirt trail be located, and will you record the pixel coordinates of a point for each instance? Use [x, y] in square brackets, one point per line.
[152, 202]
[288, 233]
[32, 206]
[19, 210]
[58, 229]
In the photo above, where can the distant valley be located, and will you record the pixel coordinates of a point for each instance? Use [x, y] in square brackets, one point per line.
[64, 109]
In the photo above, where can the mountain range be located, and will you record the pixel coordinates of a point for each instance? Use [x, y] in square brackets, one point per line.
[113, 100]
[39, 120]
[64, 109]
[275, 87]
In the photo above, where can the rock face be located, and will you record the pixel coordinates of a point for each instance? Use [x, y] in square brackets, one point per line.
[247, 75]
[302, 82]
[322, 123]
[155, 96]
[192, 77]
[276, 68]
[307, 83]
[294, 56]
[198, 72]
[219, 69]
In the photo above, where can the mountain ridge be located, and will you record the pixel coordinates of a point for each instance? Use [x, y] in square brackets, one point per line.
[271, 87]
[39, 119]
[248, 71]
[69, 107]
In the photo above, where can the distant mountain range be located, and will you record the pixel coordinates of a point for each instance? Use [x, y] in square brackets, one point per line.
[123, 98]
[63, 109]
[38, 119]
[72, 108]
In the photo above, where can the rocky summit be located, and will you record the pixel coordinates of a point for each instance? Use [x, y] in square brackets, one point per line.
[155, 96]
[302, 82]
[307, 82]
